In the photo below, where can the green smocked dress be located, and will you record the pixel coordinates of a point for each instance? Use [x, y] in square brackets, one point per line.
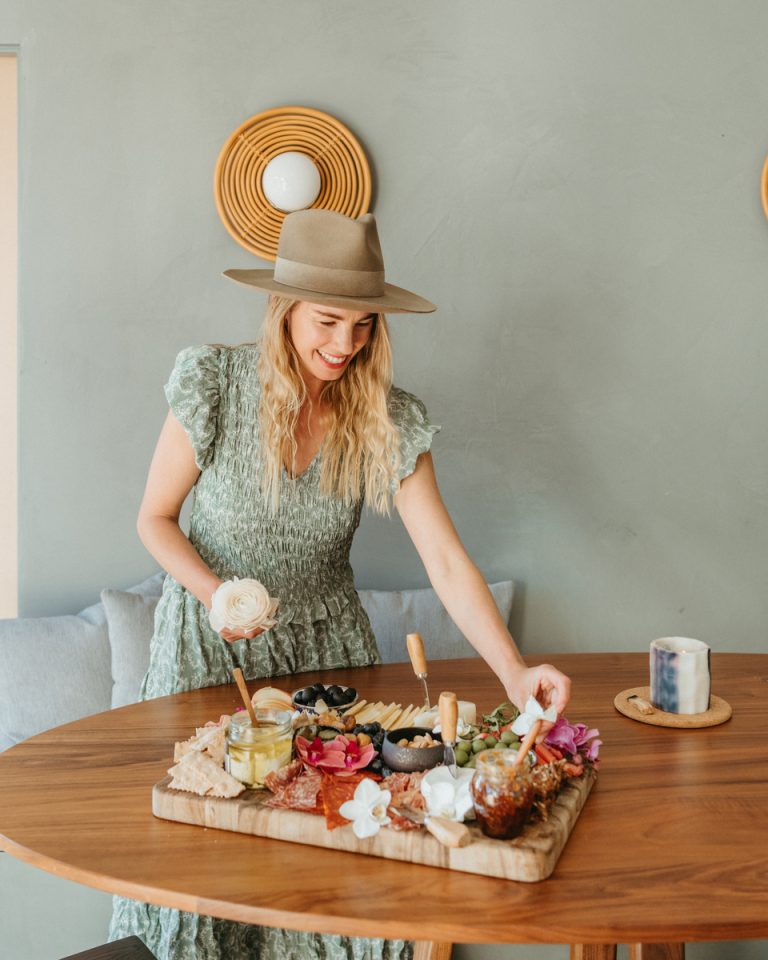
[301, 554]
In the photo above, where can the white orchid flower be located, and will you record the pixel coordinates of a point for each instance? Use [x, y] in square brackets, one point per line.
[447, 796]
[368, 809]
[533, 712]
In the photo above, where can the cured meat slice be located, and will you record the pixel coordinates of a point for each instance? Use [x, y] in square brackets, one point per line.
[406, 790]
[335, 791]
[397, 822]
[298, 793]
[277, 779]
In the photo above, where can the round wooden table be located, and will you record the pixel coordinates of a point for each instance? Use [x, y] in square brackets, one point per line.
[671, 846]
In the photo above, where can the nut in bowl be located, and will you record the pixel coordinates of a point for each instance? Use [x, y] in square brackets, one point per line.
[407, 759]
[320, 697]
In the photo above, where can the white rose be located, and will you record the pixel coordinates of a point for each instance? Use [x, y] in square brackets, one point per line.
[242, 605]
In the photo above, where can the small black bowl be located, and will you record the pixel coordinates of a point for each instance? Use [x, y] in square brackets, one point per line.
[410, 759]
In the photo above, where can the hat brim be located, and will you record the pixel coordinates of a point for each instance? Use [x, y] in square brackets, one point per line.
[393, 300]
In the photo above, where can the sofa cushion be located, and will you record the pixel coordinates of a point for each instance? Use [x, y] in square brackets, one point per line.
[395, 613]
[131, 618]
[52, 670]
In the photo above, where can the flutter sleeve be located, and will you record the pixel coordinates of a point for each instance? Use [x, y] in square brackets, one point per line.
[410, 417]
[193, 392]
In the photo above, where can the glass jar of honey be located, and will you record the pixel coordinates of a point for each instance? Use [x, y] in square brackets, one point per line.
[502, 793]
[255, 751]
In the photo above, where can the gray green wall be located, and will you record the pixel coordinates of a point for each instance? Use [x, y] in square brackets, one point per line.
[575, 184]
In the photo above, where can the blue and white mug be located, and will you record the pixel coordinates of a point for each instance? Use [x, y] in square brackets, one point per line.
[680, 675]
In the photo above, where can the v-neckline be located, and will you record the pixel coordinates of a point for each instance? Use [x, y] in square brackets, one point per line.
[308, 467]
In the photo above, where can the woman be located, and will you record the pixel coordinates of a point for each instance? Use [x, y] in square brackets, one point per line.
[283, 442]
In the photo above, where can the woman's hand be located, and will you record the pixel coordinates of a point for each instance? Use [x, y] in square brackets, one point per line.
[232, 635]
[544, 683]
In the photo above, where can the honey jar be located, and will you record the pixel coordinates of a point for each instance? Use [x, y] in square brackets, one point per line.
[502, 793]
[255, 751]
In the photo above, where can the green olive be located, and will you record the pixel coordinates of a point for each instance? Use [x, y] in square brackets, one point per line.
[490, 742]
[507, 737]
[478, 745]
[461, 757]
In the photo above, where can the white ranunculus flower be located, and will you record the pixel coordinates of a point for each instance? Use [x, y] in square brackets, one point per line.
[242, 605]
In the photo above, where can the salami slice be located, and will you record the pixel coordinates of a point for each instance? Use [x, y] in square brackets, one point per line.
[301, 793]
[278, 779]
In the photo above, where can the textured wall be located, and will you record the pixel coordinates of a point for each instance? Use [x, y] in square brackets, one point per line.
[575, 184]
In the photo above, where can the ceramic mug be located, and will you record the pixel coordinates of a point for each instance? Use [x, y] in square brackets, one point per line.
[680, 675]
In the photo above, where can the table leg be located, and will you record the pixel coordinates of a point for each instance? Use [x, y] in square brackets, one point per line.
[656, 951]
[593, 951]
[432, 950]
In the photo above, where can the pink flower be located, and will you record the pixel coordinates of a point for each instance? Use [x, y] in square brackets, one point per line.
[574, 738]
[339, 756]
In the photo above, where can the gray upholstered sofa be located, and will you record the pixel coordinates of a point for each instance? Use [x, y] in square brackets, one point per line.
[57, 669]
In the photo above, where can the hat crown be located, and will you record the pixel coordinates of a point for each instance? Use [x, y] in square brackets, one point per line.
[323, 238]
[325, 252]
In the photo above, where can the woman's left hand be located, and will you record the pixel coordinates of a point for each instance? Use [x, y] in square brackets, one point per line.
[545, 683]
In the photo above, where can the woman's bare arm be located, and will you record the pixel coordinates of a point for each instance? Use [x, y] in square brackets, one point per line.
[465, 594]
[172, 474]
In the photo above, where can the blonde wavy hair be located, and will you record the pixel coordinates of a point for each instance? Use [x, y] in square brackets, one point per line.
[361, 450]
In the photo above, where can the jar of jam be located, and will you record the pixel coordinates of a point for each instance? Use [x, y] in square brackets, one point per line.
[255, 751]
[502, 793]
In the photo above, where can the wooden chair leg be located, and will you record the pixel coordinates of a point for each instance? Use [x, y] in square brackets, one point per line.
[656, 951]
[432, 950]
[593, 951]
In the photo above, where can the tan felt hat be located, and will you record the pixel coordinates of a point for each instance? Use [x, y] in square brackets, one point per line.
[325, 257]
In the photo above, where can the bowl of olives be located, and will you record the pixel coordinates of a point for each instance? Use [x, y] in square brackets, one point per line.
[320, 696]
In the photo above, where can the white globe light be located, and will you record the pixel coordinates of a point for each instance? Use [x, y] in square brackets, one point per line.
[291, 181]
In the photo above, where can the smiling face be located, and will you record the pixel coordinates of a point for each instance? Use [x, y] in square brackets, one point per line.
[326, 339]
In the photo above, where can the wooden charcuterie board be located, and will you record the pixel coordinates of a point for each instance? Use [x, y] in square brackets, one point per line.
[530, 857]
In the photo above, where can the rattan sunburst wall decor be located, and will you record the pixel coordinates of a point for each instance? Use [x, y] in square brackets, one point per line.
[322, 157]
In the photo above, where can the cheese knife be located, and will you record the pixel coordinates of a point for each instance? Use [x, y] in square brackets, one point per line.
[449, 833]
[419, 661]
[449, 715]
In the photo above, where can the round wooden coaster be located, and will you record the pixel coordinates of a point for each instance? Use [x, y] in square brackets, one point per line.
[719, 711]
[345, 175]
